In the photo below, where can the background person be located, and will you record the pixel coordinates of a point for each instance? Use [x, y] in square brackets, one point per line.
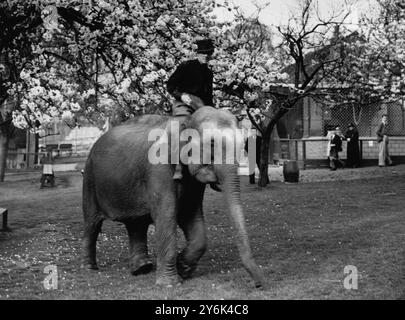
[382, 138]
[353, 150]
[259, 118]
[336, 138]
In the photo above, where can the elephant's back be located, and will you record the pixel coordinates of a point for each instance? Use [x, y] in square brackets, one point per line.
[126, 139]
[118, 166]
[131, 129]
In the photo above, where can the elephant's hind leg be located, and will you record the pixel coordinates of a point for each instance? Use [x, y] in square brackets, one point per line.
[91, 231]
[139, 262]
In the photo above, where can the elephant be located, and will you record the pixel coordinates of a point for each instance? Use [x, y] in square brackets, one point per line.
[121, 184]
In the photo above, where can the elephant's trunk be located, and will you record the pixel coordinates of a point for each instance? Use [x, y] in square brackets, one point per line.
[230, 183]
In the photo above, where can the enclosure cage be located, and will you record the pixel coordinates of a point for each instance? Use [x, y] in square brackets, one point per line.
[366, 118]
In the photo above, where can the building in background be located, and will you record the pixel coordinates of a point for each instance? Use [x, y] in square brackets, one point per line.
[27, 149]
[79, 138]
[22, 149]
[303, 130]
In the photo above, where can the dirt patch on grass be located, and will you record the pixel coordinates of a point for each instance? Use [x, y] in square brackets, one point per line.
[303, 235]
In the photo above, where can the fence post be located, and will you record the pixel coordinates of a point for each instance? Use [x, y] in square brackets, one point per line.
[4, 213]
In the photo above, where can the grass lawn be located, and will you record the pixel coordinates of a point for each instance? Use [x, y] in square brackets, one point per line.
[303, 235]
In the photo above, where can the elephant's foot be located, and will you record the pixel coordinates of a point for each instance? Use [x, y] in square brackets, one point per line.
[184, 269]
[168, 281]
[140, 266]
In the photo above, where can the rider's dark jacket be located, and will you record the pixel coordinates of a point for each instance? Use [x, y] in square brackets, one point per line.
[194, 78]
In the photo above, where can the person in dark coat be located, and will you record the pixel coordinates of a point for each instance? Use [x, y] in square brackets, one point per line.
[258, 144]
[353, 151]
[191, 85]
[335, 148]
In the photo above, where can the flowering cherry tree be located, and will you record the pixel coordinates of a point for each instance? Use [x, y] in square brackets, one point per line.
[375, 68]
[100, 59]
[96, 59]
[19, 23]
[106, 59]
[119, 55]
[272, 80]
[111, 59]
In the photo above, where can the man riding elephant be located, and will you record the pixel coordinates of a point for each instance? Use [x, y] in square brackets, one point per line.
[121, 183]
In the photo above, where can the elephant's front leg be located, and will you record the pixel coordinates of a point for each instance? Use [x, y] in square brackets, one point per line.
[165, 231]
[192, 224]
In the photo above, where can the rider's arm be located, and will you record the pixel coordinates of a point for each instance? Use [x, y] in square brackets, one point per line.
[173, 84]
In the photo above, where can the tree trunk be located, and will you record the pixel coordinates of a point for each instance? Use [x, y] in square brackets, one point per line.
[4, 137]
[264, 152]
[264, 156]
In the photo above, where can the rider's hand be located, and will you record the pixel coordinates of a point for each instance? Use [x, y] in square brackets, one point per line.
[186, 98]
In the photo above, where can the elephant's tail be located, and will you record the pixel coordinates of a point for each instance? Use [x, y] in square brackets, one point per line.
[90, 206]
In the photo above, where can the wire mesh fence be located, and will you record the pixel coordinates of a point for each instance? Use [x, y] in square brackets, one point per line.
[366, 118]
